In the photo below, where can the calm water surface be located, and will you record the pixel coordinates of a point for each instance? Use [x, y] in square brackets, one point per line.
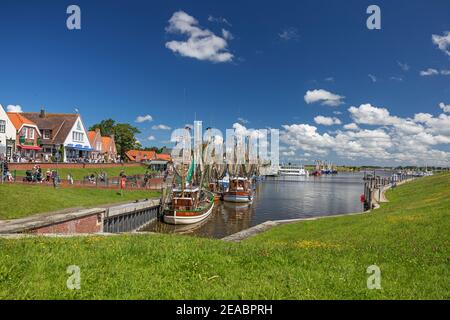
[277, 199]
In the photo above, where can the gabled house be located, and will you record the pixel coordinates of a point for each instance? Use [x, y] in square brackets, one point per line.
[156, 161]
[109, 148]
[7, 136]
[28, 137]
[64, 137]
[104, 148]
[95, 138]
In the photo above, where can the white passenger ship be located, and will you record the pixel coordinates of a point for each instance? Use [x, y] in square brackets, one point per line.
[292, 171]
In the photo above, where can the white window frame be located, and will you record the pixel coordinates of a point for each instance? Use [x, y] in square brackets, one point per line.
[30, 133]
[2, 126]
[77, 136]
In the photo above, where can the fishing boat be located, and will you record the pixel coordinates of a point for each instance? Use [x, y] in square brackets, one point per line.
[189, 205]
[213, 187]
[216, 172]
[317, 172]
[239, 190]
[190, 202]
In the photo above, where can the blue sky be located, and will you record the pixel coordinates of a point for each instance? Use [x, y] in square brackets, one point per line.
[120, 66]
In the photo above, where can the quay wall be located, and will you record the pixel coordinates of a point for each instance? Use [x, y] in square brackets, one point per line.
[127, 217]
[87, 224]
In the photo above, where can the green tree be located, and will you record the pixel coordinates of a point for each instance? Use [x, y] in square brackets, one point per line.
[124, 134]
[106, 127]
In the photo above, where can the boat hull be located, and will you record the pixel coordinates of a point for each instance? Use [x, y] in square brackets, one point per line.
[183, 217]
[237, 198]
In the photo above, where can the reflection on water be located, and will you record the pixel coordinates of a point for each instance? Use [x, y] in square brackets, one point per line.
[278, 199]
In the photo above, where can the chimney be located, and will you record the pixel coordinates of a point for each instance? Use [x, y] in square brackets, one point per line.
[42, 114]
[97, 130]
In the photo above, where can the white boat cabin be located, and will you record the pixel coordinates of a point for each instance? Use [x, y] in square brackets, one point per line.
[239, 184]
[184, 199]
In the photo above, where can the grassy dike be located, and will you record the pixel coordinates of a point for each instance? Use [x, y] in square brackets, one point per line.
[17, 201]
[408, 239]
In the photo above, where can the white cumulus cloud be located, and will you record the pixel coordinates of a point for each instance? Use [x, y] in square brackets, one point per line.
[201, 44]
[444, 107]
[323, 97]
[146, 118]
[429, 72]
[161, 127]
[326, 121]
[351, 126]
[14, 108]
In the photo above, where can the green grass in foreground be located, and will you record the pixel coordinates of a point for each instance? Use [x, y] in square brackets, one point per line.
[80, 173]
[408, 239]
[19, 200]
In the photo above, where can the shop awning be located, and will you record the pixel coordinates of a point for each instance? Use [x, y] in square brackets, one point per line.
[29, 147]
[79, 147]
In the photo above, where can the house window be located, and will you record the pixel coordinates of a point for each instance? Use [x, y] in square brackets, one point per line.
[78, 126]
[99, 146]
[30, 133]
[47, 134]
[78, 136]
[24, 132]
[2, 126]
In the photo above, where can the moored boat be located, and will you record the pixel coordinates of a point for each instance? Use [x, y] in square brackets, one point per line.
[239, 190]
[188, 206]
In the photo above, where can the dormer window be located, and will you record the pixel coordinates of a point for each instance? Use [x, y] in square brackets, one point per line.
[47, 134]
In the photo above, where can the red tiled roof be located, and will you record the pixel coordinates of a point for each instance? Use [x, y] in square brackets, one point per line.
[137, 155]
[163, 156]
[106, 141]
[91, 137]
[18, 120]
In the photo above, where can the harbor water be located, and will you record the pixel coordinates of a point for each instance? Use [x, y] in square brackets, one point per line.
[278, 198]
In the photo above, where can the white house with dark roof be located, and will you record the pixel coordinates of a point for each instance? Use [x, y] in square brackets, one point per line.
[7, 135]
[62, 132]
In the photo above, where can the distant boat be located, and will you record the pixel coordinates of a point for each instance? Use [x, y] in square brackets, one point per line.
[317, 173]
[293, 171]
[239, 190]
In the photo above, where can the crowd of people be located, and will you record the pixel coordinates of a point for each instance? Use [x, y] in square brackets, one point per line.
[38, 175]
